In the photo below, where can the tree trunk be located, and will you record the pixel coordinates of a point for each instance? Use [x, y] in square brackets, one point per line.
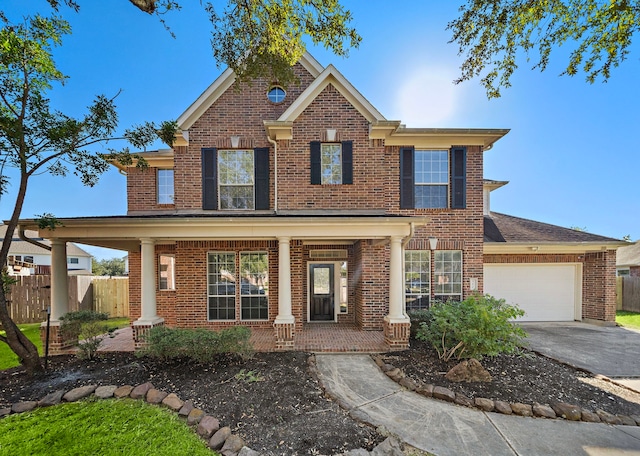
[17, 341]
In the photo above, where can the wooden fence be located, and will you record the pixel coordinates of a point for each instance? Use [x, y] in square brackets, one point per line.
[111, 295]
[630, 293]
[30, 296]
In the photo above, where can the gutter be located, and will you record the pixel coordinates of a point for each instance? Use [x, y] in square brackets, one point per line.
[275, 172]
[23, 237]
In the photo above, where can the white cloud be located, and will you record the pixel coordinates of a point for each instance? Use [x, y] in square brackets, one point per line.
[427, 97]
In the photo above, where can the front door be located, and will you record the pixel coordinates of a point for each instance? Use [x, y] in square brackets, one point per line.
[321, 307]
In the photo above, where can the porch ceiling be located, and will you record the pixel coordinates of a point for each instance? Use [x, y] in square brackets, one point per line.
[125, 232]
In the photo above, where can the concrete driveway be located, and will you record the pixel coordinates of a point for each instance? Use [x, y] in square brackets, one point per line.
[611, 351]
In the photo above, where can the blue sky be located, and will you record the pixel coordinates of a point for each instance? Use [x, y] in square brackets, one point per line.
[570, 156]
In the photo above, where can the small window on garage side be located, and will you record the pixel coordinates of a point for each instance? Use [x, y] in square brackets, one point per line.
[167, 272]
[73, 261]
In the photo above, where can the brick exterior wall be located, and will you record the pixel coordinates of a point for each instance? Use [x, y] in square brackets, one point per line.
[598, 278]
[599, 286]
[142, 190]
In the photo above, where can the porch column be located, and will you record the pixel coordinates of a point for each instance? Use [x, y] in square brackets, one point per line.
[59, 280]
[284, 323]
[148, 316]
[59, 299]
[396, 323]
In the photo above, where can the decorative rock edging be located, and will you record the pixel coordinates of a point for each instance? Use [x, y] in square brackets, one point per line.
[557, 411]
[207, 427]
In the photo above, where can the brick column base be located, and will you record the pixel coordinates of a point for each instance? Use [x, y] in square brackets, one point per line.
[140, 329]
[57, 343]
[396, 334]
[285, 333]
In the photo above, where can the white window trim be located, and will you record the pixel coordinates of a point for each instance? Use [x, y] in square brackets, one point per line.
[160, 194]
[239, 293]
[235, 266]
[432, 184]
[220, 185]
[170, 286]
[323, 163]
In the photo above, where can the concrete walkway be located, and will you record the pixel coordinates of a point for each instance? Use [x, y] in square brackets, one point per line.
[446, 429]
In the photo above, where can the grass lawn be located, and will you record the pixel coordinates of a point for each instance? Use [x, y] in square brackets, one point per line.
[32, 331]
[104, 427]
[629, 319]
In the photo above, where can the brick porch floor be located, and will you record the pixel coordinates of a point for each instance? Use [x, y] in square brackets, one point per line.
[316, 337]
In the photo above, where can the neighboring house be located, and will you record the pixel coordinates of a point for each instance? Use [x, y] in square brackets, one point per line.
[26, 258]
[628, 260]
[282, 209]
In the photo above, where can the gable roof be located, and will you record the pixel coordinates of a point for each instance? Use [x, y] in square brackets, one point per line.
[503, 231]
[629, 255]
[220, 86]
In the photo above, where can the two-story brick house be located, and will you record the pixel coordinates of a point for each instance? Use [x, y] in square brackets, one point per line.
[284, 209]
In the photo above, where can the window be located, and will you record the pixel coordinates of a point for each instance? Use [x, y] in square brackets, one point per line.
[447, 282]
[331, 163]
[72, 260]
[29, 259]
[165, 186]
[254, 285]
[344, 290]
[167, 272]
[221, 282]
[235, 177]
[624, 272]
[433, 179]
[254, 288]
[276, 94]
[417, 279]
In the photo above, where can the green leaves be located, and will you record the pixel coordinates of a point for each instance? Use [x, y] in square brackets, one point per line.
[476, 327]
[494, 35]
[265, 38]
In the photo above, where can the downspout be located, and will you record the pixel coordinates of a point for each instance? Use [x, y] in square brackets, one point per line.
[23, 237]
[275, 172]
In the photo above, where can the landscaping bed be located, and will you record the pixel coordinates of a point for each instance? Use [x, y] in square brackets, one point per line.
[274, 403]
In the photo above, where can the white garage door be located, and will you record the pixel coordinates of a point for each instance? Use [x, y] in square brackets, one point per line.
[546, 292]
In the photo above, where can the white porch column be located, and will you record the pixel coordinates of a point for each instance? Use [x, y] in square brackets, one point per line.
[396, 301]
[285, 314]
[148, 283]
[59, 280]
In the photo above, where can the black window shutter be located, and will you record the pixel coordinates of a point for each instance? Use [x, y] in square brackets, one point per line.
[459, 178]
[209, 178]
[261, 166]
[347, 162]
[314, 147]
[406, 178]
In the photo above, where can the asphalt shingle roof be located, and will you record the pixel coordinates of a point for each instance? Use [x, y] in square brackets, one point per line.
[506, 228]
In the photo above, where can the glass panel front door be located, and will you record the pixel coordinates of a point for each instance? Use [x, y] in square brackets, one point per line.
[322, 300]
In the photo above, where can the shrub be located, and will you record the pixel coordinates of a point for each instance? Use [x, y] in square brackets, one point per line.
[72, 322]
[476, 327]
[200, 344]
[418, 317]
[88, 325]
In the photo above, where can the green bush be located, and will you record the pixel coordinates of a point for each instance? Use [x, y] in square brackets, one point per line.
[200, 344]
[418, 317]
[476, 327]
[87, 329]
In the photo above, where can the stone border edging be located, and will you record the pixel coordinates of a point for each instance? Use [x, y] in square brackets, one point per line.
[206, 426]
[560, 410]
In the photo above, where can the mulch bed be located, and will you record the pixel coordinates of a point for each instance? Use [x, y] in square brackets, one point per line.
[526, 377]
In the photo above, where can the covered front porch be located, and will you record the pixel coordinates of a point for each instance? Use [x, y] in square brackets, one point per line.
[380, 322]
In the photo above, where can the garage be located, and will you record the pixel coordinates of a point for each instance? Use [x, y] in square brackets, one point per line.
[546, 292]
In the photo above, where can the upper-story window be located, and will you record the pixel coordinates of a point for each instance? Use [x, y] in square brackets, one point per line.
[165, 186]
[331, 162]
[433, 179]
[431, 188]
[235, 179]
[276, 94]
